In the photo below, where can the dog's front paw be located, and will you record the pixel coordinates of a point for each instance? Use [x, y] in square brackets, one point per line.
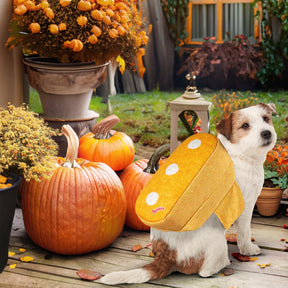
[250, 249]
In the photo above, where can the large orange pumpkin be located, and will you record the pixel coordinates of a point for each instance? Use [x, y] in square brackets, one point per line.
[80, 209]
[116, 149]
[134, 177]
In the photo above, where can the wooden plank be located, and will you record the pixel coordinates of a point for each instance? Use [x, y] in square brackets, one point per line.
[60, 271]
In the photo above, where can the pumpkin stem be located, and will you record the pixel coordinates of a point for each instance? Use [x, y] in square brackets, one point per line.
[72, 148]
[102, 129]
[153, 164]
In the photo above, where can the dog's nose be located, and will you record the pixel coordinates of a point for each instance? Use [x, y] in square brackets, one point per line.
[266, 134]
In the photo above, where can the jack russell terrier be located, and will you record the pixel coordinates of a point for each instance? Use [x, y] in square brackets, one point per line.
[247, 135]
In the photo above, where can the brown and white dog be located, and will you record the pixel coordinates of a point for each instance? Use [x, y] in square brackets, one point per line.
[247, 135]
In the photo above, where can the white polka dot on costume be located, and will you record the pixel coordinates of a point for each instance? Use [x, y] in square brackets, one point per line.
[172, 169]
[194, 144]
[152, 198]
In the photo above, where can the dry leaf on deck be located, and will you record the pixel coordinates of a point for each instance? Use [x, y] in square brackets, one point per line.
[137, 247]
[227, 272]
[26, 259]
[88, 274]
[243, 258]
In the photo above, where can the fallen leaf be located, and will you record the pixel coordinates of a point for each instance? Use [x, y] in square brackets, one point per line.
[263, 265]
[151, 254]
[232, 238]
[227, 272]
[240, 257]
[12, 266]
[88, 274]
[137, 247]
[148, 245]
[11, 253]
[26, 259]
[22, 250]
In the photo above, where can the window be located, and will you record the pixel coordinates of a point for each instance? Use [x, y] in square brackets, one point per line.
[221, 19]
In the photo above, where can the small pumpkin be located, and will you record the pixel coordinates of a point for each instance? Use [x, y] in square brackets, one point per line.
[134, 177]
[116, 149]
[80, 209]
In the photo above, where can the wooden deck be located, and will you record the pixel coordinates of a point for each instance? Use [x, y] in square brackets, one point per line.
[50, 270]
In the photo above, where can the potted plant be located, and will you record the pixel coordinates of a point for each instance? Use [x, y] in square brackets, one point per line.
[237, 60]
[275, 180]
[25, 148]
[74, 32]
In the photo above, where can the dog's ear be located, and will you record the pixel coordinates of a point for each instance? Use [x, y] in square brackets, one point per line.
[224, 127]
[270, 107]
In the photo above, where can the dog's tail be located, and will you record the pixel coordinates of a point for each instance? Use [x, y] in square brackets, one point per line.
[140, 275]
[157, 269]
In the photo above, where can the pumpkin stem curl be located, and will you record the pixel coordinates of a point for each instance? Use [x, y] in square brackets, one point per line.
[72, 148]
[102, 129]
[153, 164]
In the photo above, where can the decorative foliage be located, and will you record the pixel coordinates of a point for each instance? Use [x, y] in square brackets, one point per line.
[274, 50]
[25, 143]
[78, 30]
[226, 102]
[237, 56]
[276, 167]
[80, 209]
[176, 13]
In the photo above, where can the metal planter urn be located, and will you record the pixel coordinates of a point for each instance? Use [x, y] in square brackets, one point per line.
[65, 90]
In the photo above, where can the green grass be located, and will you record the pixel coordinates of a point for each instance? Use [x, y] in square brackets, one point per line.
[146, 117]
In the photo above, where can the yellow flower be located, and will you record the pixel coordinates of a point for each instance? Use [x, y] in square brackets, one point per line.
[121, 63]
[113, 33]
[53, 29]
[97, 15]
[65, 3]
[84, 5]
[29, 5]
[96, 31]
[105, 2]
[62, 27]
[44, 5]
[92, 39]
[82, 20]
[49, 13]
[20, 10]
[121, 31]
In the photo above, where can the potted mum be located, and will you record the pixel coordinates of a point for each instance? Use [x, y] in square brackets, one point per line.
[275, 180]
[25, 148]
[77, 32]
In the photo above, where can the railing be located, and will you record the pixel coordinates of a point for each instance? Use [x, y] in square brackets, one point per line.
[221, 19]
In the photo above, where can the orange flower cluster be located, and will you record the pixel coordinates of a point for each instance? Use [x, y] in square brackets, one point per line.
[78, 30]
[277, 159]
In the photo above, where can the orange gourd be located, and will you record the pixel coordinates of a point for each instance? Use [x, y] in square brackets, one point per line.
[116, 149]
[134, 177]
[80, 209]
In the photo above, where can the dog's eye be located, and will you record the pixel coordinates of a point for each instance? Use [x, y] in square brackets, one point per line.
[245, 126]
[266, 119]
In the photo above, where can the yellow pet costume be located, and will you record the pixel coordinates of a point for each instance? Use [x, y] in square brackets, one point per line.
[197, 180]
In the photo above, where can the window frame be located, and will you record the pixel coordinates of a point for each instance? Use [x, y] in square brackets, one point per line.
[219, 12]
